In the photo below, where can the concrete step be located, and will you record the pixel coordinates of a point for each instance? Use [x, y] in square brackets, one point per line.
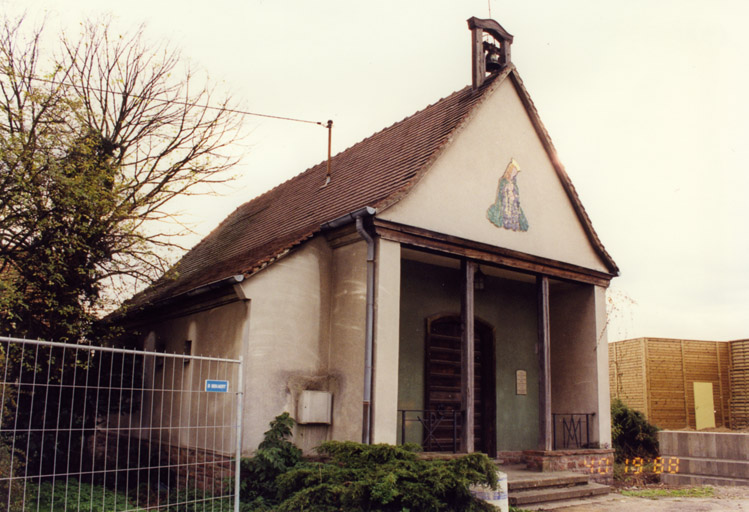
[690, 479]
[734, 469]
[590, 503]
[547, 480]
[543, 495]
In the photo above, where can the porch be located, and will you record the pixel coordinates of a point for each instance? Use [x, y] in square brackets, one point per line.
[535, 381]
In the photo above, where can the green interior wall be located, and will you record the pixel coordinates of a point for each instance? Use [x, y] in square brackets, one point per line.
[510, 308]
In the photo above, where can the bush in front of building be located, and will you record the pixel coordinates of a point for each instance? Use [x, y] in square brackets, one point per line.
[631, 433]
[357, 477]
[362, 477]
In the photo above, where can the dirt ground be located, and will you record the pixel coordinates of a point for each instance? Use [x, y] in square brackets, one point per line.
[725, 499]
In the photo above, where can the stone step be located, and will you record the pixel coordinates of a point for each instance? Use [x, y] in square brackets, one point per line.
[543, 495]
[547, 480]
[721, 468]
[590, 503]
[690, 479]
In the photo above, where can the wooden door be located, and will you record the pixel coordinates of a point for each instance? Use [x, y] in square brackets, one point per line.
[442, 384]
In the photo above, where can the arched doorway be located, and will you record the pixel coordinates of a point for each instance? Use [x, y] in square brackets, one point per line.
[442, 387]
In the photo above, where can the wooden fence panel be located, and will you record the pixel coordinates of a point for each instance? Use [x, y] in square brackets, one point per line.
[739, 378]
[666, 383]
[656, 376]
[626, 373]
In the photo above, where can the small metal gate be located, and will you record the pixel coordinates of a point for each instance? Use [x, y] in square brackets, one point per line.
[106, 429]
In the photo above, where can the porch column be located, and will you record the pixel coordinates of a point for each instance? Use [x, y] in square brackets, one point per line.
[544, 366]
[386, 331]
[468, 268]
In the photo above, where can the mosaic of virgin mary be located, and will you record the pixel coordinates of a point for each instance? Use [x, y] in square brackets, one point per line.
[506, 211]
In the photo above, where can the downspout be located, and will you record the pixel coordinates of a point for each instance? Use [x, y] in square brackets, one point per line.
[369, 334]
[358, 217]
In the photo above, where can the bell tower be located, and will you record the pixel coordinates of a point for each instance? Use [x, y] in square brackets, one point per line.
[490, 48]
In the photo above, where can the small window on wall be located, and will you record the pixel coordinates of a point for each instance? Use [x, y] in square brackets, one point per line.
[187, 351]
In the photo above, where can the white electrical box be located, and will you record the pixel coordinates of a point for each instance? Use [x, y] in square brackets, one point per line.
[315, 407]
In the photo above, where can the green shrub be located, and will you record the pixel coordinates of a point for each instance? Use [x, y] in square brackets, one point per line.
[383, 477]
[196, 500]
[11, 487]
[62, 496]
[275, 455]
[632, 435]
[358, 477]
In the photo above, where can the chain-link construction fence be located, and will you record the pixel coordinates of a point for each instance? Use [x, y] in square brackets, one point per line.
[103, 429]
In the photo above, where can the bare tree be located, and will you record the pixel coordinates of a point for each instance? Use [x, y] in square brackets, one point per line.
[95, 141]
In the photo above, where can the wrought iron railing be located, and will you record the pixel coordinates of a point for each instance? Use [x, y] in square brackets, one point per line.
[439, 432]
[572, 431]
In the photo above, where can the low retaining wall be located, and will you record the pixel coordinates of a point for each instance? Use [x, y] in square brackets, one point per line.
[706, 458]
[129, 460]
[598, 464]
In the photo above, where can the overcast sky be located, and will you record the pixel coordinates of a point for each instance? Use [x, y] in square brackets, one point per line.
[645, 100]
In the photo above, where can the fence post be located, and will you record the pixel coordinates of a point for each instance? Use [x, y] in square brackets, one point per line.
[238, 455]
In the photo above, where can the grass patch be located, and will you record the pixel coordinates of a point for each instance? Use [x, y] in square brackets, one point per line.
[63, 496]
[691, 492]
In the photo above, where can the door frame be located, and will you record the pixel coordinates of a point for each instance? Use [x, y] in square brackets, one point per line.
[488, 399]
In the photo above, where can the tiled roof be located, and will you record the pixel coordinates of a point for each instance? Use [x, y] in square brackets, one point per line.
[375, 172]
[370, 173]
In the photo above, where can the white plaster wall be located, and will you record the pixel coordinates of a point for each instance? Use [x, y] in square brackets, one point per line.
[602, 354]
[347, 334]
[214, 332]
[454, 195]
[286, 348]
[386, 346]
[579, 360]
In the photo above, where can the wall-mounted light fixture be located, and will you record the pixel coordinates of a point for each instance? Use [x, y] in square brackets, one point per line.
[479, 279]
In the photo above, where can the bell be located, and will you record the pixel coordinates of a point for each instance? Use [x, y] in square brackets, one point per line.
[493, 62]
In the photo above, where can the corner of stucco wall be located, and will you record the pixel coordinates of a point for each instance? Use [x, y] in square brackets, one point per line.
[602, 360]
[387, 342]
[286, 337]
[347, 332]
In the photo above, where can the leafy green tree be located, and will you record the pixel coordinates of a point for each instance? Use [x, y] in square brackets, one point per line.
[98, 133]
[97, 136]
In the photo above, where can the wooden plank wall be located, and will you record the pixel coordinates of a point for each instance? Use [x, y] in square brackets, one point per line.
[703, 363]
[626, 373]
[666, 383]
[739, 377]
[656, 376]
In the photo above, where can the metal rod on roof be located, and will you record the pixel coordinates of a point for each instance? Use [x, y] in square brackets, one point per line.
[330, 140]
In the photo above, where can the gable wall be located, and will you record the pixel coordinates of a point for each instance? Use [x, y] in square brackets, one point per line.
[454, 195]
